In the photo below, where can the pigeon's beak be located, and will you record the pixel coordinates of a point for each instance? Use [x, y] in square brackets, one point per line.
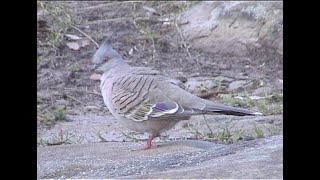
[94, 67]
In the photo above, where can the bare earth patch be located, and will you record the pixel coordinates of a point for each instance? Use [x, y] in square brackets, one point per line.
[71, 112]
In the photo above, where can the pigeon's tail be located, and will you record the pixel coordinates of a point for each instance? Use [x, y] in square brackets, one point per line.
[228, 110]
[192, 105]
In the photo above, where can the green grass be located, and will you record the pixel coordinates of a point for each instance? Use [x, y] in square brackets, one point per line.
[229, 131]
[273, 130]
[230, 99]
[60, 138]
[130, 135]
[219, 84]
[194, 130]
[268, 105]
[262, 105]
[239, 134]
[99, 135]
[144, 28]
[60, 20]
[272, 104]
[225, 135]
[59, 114]
[258, 131]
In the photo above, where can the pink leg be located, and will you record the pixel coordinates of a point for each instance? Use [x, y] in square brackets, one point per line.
[149, 141]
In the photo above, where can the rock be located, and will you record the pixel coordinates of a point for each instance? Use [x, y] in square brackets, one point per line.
[178, 82]
[236, 85]
[262, 91]
[241, 29]
[260, 158]
[95, 77]
[182, 79]
[199, 85]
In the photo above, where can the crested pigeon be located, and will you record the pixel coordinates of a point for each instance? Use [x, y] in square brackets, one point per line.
[143, 100]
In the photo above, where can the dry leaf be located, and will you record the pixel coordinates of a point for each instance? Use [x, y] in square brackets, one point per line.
[73, 45]
[131, 52]
[91, 107]
[85, 42]
[239, 97]
[73, 37]
[251, 97]
[256, 97]
[95, 77]
[152, 10]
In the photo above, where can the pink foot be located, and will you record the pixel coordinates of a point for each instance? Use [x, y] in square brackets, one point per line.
[149, 141]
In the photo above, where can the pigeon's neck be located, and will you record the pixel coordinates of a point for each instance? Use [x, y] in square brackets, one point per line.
[118, 62]
[119, 68]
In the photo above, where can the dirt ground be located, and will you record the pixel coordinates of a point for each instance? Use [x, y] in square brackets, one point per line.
[64, 87]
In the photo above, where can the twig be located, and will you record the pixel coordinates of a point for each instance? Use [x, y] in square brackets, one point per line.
[93, 107]
[183, 23]
[152, 19]
[85, 35]
[101, 6]
[78, 90]
[210, 94]
[137, 27]
[243, 85]
[148, 34]
[153, 51]
[151, 10]
[185, 45]
[98, 133]
[55, 143]
[182, 39]
[127, 19]
[73, 98]
[116, 11]
[216, 75]
[87, 92]
[205, 120]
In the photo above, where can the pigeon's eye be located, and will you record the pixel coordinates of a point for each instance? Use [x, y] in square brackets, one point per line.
[105, 60]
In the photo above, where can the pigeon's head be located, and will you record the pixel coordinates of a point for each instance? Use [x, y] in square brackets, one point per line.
[106, 58]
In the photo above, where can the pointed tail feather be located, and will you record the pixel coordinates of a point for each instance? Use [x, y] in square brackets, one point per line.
[228, 110]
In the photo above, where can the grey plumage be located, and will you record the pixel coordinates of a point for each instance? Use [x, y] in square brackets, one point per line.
[146, 101]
